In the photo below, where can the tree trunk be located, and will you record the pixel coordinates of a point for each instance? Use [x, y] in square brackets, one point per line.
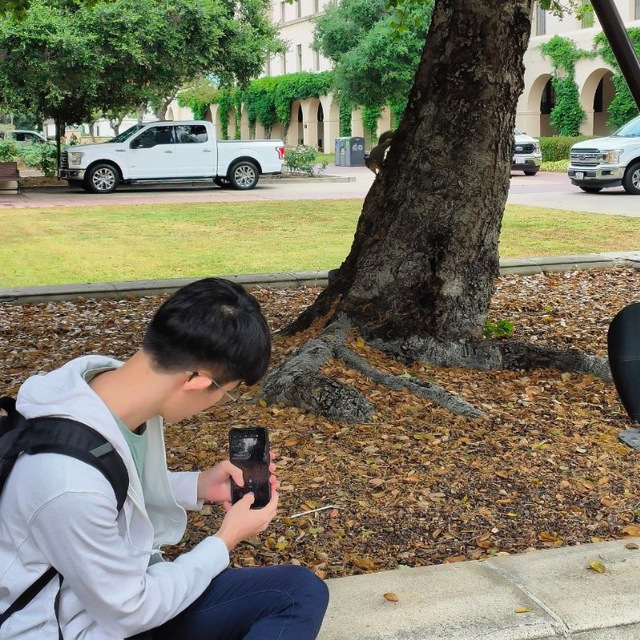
[425, 253]
[419, 278]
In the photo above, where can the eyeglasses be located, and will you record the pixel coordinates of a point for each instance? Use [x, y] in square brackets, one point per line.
[229, 397]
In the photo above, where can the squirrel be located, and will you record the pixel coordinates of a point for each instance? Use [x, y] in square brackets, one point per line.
[375, 160]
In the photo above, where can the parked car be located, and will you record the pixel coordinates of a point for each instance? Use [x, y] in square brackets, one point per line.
[23, 136]
[526, 153]
[608, 162]
[164, 151]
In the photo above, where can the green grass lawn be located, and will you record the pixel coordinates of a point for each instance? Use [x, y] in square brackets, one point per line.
[72, 245]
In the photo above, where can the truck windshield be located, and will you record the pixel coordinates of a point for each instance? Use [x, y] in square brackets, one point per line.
[125, 135]
[629, 130]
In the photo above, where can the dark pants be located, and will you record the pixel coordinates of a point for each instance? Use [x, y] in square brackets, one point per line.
[285, 602]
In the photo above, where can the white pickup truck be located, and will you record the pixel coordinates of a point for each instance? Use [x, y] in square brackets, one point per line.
[170, 151]
[608, 162]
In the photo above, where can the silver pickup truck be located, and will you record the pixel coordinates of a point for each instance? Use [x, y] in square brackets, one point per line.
[526, 154]
[170, 151]
[608, 162]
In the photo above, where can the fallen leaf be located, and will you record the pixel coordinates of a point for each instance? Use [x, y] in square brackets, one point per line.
[522, 610]
[597, 566]
[391, 597]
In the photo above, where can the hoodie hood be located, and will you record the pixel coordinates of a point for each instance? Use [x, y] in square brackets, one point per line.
[64, 393]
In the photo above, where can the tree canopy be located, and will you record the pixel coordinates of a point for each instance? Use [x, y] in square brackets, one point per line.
[374, 47]
[67, 60]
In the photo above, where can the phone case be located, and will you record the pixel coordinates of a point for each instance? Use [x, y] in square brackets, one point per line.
[249, 450]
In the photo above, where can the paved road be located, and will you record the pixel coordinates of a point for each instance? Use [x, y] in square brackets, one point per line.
[552, 190]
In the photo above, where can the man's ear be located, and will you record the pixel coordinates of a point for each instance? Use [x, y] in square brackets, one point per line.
[197, 383]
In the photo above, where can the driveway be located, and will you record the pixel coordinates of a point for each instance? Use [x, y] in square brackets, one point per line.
[551, 190]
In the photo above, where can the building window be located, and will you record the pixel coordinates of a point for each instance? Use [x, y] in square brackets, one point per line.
[267, 68]
[299, 57]
[284, 64]
[316, 59]
[587, 17]
[637, 11]
[316, 5]
[541, 20]
[298, 8]
[282, 11]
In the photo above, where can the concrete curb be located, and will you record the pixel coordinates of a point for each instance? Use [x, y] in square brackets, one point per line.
[538, 595]
[520, 266]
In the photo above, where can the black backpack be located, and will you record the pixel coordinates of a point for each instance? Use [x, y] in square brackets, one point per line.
[55, 435]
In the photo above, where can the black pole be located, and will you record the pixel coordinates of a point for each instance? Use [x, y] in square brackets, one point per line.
[58, 150]
[623, 50]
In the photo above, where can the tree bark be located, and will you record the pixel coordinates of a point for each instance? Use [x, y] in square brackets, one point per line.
[425, 252]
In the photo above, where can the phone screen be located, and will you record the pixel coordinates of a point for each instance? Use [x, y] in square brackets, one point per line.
[249, 450]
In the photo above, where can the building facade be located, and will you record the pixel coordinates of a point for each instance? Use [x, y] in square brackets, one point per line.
[316, 122]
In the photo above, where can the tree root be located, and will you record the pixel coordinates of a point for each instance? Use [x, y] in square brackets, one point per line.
[496, 354]
[296, 382]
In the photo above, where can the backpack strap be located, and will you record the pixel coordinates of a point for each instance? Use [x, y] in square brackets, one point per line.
[13, 419]
[29, 594]
[78, 440]
[66, 437]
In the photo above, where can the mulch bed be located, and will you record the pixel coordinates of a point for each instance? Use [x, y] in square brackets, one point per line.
[416, 485]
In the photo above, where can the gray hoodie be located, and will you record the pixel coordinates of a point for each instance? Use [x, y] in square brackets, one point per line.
[56, 510]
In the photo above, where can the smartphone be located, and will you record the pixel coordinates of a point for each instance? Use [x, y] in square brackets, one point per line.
[249, 450]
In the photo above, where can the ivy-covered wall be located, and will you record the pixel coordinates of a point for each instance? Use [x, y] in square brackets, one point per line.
[266, 100]
[567, 114]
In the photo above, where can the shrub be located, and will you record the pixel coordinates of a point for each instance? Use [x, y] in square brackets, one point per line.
[36, 156]
[9, 151]
[557, 147]
[40, 156]
[301, 159]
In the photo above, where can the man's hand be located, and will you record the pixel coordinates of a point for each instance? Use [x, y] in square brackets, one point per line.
[214, 485]
[243, 522]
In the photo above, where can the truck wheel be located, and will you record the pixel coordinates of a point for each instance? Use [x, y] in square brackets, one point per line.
[631, 180]
[102, 178]
[591, 189]
[244, 175]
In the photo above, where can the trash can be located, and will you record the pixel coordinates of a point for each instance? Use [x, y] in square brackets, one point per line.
[340, 152]
[354, 152]
[350, 152]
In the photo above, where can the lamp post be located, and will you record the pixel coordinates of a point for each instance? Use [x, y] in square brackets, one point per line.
[623, 50]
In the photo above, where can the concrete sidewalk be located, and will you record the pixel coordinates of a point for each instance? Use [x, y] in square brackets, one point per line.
[538, 595]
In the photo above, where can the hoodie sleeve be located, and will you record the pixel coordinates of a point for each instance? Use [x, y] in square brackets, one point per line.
[111, 579]
[184, 485]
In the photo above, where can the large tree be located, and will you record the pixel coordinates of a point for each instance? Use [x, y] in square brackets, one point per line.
[374, 47]
[67, 59]
[418, 280]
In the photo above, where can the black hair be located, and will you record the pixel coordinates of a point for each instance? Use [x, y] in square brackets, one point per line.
[212, 324]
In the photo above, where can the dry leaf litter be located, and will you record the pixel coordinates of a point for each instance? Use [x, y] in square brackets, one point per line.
[416, 485]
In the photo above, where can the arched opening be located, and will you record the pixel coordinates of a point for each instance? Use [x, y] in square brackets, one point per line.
[596, 96]
[547, 102]
[300, 129]
[320, 133]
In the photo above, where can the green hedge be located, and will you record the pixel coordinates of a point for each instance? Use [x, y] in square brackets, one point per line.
[36, 156]
[557, 147]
